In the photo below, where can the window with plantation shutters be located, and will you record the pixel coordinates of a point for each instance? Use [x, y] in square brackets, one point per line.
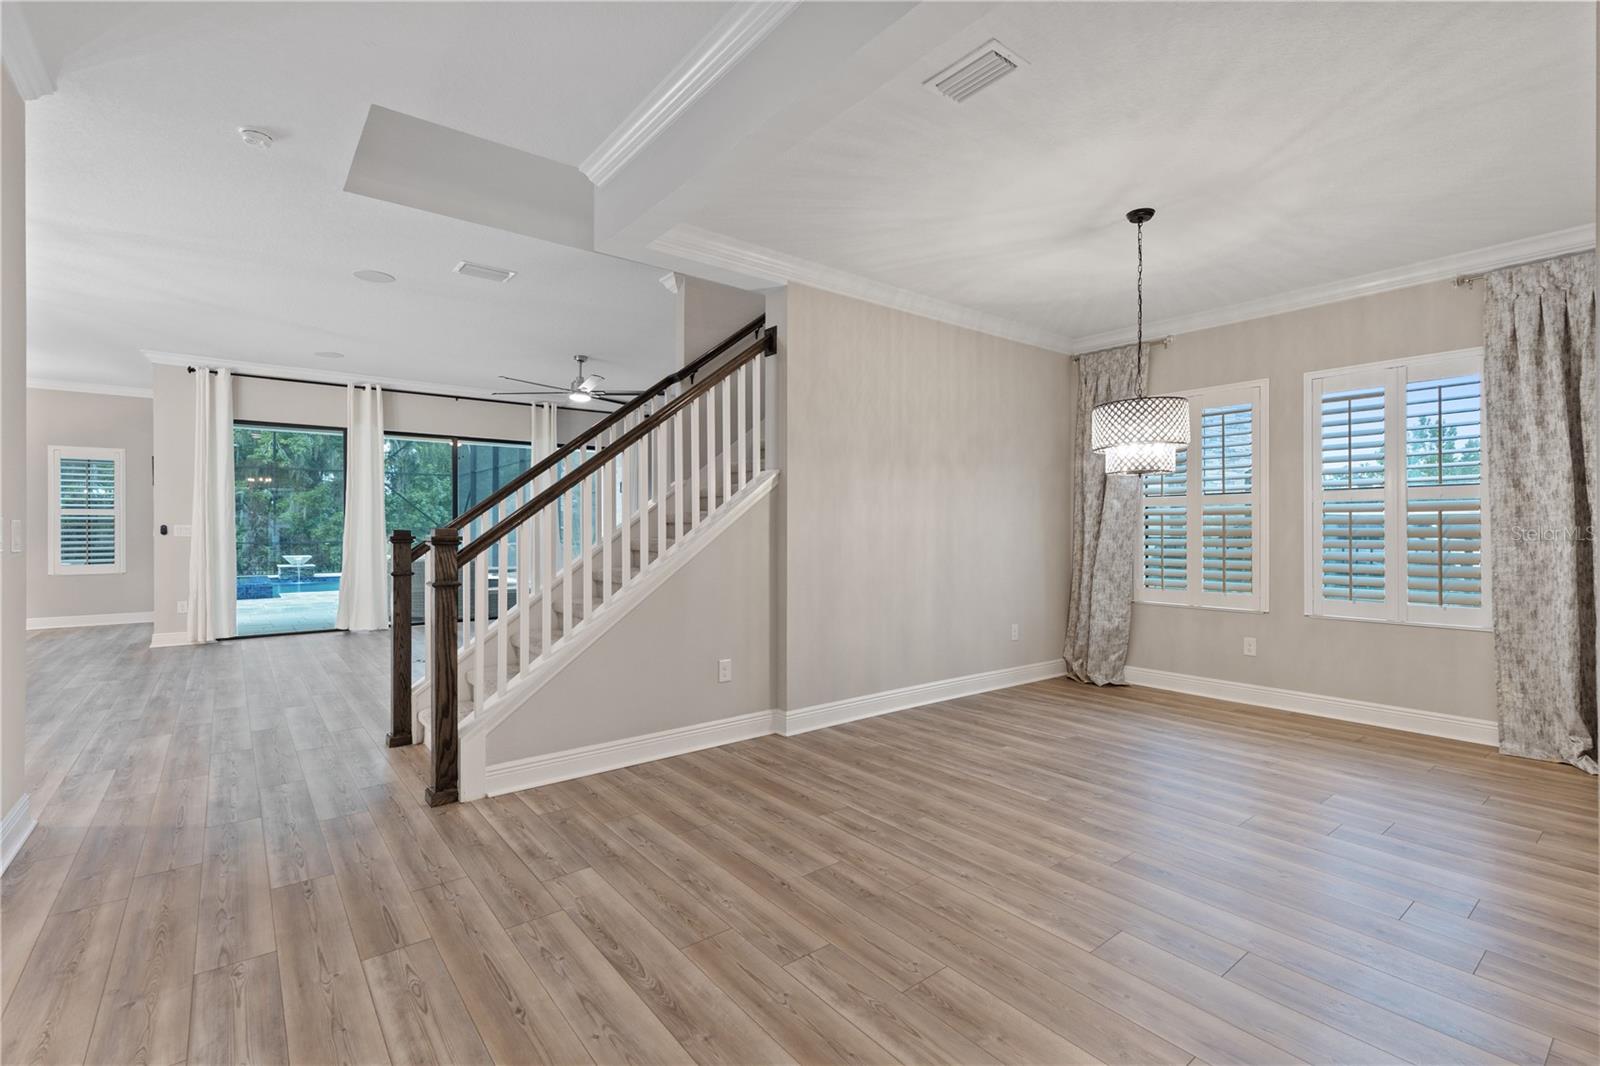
[1395, 517]
[86, 509]
[1203, 523]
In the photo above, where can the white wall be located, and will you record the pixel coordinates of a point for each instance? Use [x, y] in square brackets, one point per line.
[1441, 670]
[925, 500]
[259, 400]
[13, 441]
[101, 421]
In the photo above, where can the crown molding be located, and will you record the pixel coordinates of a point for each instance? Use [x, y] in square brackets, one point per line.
[20, 52]
[89, 387]
[718, 52]
[774, 268]
[1477, 261]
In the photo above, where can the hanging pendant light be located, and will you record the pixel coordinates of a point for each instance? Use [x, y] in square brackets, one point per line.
[1142, 434]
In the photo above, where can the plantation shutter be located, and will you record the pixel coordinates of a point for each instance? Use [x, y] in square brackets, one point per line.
[1396, 464]
[1166, 528]
[1444, 541]
[86, 510]
[1203, 522]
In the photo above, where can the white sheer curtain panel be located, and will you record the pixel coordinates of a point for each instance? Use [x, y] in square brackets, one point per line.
[363, 583]
[212, 559]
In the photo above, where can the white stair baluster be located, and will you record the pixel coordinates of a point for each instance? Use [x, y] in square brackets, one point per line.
[741, 378]
[758, 422]
[677, 475]
[585, 562]
[659, 439]
[525, 589]
[608, 507]
[547, 552]
[727, 437]
[480, 611]
[503, 623]
[625, 519]
[694, 461]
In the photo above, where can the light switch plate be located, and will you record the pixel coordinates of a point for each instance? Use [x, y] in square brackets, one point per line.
[182, 531]
[16, 534]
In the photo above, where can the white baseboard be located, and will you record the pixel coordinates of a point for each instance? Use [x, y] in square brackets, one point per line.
[14, 829]
[1410, 719]
[614, 754]
[821, 715]
[170, 640]
[72, 621]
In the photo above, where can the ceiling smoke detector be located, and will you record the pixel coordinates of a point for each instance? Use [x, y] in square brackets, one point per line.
[328, 355]
[255, 138]
[377, 277]
[975, 71]
[487, 273]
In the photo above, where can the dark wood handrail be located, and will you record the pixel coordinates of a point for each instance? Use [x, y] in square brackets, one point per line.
[544, 465]
[765, 346]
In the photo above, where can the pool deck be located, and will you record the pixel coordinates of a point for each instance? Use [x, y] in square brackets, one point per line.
[292, 612]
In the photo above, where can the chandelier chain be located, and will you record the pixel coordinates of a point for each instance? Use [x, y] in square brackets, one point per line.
[1138, 383]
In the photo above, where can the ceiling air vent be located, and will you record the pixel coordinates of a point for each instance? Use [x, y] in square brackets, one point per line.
[487, 273]
[977, 70]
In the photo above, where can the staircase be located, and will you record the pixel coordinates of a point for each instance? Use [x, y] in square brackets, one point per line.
[521, 583]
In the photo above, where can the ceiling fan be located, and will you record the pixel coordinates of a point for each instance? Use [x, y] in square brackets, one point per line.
[583, 389]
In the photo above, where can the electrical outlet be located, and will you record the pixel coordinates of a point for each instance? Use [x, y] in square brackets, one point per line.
[1249, 645]
[724, 671]
[183, 606]
[1016, 631]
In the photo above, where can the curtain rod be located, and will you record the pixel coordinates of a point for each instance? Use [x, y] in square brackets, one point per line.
[1465, 280]
[1164, 342]
[401, 392]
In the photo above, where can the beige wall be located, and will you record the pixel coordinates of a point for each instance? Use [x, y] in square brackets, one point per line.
[99, 421]
[259, 400]
[1447, 671]
[708, 312]
[925, 500]
[13, 441]
[657, 668]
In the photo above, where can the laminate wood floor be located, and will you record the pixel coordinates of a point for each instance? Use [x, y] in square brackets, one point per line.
[229, 867]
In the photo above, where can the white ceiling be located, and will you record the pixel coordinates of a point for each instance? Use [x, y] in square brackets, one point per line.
[1284, 146]
[151, 226]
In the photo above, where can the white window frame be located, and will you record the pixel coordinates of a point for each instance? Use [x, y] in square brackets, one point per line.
[118, 456]
[1193, 593]
[1392, 376]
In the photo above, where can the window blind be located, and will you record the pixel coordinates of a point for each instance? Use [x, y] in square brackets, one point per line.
[1166, 539]
[1444, 553]
[1353, 549]
[1227, 548]
[1444, 431]
[86, 510]
[1352, 439]
[1226, 449]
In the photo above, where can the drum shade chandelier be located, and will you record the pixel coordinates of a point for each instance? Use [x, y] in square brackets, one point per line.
[1141, 434]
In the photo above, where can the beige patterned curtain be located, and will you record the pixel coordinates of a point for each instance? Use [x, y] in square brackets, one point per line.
[1105, 532]
[1539, 385]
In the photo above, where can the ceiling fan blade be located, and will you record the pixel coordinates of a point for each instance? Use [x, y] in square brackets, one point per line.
[619, 392]
[525, 381]
[561, 392]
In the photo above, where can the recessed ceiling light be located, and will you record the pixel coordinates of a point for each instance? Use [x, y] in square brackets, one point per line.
[376, 276]
[487, 273]
[255, 138]
[328, 355]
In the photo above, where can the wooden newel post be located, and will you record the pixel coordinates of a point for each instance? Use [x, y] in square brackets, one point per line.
[400, 639]
[442, 631]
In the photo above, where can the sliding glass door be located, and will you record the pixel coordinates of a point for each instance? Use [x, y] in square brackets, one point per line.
[289, 527]
[427, 481]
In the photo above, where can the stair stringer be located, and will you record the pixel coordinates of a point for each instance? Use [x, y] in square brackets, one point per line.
[520, 690]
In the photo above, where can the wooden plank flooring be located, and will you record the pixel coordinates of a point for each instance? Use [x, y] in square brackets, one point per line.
[230, 867]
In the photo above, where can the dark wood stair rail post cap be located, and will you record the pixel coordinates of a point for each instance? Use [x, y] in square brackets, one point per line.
[446, 787]
[400, 642]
